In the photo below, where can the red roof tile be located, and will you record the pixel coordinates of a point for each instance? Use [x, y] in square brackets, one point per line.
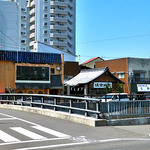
[90, 60]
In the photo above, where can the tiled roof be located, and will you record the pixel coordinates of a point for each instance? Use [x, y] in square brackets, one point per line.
[90, 60]
[86, 76]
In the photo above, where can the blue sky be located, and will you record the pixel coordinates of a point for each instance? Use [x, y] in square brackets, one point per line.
[112, 29]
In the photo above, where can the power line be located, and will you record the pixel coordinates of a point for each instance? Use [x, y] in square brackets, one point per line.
[8, 37]
[8, 44]
[112, 39]
[3, 45]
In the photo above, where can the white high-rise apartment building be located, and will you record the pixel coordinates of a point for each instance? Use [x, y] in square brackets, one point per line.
[51, 22]
[14, 25]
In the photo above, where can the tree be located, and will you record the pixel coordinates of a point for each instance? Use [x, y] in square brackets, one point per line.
[107, 89]
[119, 88]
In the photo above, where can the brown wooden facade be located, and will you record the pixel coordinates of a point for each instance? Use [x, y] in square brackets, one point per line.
[8, 77]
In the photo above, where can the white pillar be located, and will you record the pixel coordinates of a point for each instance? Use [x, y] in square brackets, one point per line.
[68, 89]
[85, 89]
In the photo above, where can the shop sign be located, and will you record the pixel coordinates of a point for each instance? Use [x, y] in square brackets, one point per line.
[99, 85]
[143, 87]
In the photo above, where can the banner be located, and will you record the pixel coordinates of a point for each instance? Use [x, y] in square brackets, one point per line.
[143, 87]
[99, 85]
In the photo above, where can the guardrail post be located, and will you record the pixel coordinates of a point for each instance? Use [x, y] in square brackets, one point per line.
[140, 114]
[70, 110]
[55, 103]
[13, 100]
[21, 100]
[7, 100]
[31, 105]
[97, 109]
[86, 108]
[108, 112]
[42, 101]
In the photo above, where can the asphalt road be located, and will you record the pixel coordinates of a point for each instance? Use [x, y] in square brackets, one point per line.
[26, 131]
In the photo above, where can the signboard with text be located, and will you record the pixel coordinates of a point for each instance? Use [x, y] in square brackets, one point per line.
[99, 85]
[143, 87]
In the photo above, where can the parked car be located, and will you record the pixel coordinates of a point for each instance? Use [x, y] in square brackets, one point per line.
[115, 97]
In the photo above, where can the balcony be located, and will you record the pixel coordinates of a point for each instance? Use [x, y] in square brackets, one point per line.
[31, 43]
[32, 35]
[58, 3]
[32, 4]
[70, 3]
[58, 35]
[70, 11]
[32, 27]
[70, 18]
[58, 19]
[70, 26]
[32, 19]
[58, 11]
[139, 80]
[70, 41]
[58, 27]
[32, 11]
[58, 43]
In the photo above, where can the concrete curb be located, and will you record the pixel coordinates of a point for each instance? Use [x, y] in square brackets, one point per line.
[129, 121]
[61, 115]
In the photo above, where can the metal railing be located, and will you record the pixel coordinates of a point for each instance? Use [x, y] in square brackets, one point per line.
[79, 105]
[128, 108]
[70, 104]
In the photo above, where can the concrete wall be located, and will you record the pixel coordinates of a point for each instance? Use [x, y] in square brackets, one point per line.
[116, 66]
[9, 34]
[139, 64]
[40, 47]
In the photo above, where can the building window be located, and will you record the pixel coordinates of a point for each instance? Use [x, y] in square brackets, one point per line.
[139, 77]
[45, 23]
[23, 9]
[23, 33]
[33, 73]
[45, 32]
[52, 70]
[23, 49]
[23, 25]
[45, 8]
[121, 75]
[45, 40]
[45, 16]
[23, 17]
[23, 41]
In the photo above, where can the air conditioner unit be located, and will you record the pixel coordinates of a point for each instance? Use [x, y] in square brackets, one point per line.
[58, 68]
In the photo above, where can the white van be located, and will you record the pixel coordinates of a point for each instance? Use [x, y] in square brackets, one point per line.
[115, 97]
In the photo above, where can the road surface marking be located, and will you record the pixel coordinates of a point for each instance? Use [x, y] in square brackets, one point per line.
[28, 133]
[53, 146]
[19, 119]
[7, 119]
[33, 141]
[50, 131]
[7, 138]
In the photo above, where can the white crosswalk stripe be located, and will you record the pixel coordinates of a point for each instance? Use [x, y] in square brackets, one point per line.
[13, 138]
[7, 138]
[28, 133]
[50, 131]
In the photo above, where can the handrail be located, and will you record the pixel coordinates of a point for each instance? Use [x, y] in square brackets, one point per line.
[56, 102]
[55, 96]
